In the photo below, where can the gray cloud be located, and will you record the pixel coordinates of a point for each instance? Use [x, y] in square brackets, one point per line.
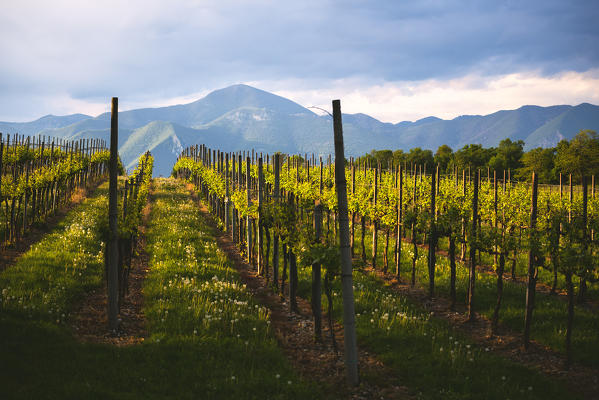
[151, 48]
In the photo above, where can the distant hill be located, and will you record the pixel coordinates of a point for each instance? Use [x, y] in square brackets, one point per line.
[241, 117]
[47, 122]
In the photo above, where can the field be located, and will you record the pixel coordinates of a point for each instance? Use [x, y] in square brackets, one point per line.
[225, 305]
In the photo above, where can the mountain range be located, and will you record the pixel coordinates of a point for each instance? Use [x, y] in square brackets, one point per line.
[241, 117]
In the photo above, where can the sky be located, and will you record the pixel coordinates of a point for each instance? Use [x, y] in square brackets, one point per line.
[394, 60]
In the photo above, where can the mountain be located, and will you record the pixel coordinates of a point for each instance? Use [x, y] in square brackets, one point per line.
[241, 117]
[46, 122]
[210, 108]
[562, 125]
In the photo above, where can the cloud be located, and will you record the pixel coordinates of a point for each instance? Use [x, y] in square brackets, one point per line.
[143, 50]
[471, 94]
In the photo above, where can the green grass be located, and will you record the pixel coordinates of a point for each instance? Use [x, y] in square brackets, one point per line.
[427, 354]
[55, 271]
[194, 296]
[188, 356]
[521, 271]
[549, 318]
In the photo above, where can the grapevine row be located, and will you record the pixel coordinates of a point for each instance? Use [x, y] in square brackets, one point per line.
[38, 175]
[133, 198]
[493, 216]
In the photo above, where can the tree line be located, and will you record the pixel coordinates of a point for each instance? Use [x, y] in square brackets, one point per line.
[578, 156]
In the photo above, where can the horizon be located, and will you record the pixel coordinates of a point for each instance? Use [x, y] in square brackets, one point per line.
[317, 112]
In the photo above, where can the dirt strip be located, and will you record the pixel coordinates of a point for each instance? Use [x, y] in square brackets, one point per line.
[506, 343]
[294, 332]
[89, 321]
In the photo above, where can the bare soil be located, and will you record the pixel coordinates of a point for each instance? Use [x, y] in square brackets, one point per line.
[89, 320]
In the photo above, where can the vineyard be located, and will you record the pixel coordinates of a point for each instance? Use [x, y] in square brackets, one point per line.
[488, 216]
[38, 175]
[465, 237]
[229, 285]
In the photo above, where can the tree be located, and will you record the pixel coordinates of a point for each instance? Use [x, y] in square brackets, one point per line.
[580, 156]
[508, 155]
[418, 156]
[540, 160]
[383, 157]
[375, 157]
[473, 156]
[399, 157]
[443, 157]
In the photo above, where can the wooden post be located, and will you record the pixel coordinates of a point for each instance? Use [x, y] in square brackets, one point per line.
[234, 184]
[247, 218]
[1, 154]
[275, 250]
[414, 244]
[316, 277]
[399, 223]
[463, 244]
[438, 180]
[532, 264]
[585, 239]
[570, 198]
[240, 173]
[349, 315]
[260, 227]
[496, 248]
[593, 197]
[293, 277]
[125, 199]
[472, 260]
[227, 211]
[112, 245]
[374, 219]
[353, 214]
[432, 244]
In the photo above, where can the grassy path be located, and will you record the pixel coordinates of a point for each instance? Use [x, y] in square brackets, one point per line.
[428, 354]
[318, 359]
[194, 298]
[9, 254]
[207, 338]
[58, 269]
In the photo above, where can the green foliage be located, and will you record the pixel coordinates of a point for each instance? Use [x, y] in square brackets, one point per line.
[444, 157]
[206, 333]
[419, 156]
[140, 177]
[54, 272]
[541, 161]
[507, 155]
[580, 156]
[384, 158]
[195, 296]
[504, 215]
[63, 168]
[473, 156]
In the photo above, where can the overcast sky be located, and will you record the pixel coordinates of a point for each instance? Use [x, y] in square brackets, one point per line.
[395, 60]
